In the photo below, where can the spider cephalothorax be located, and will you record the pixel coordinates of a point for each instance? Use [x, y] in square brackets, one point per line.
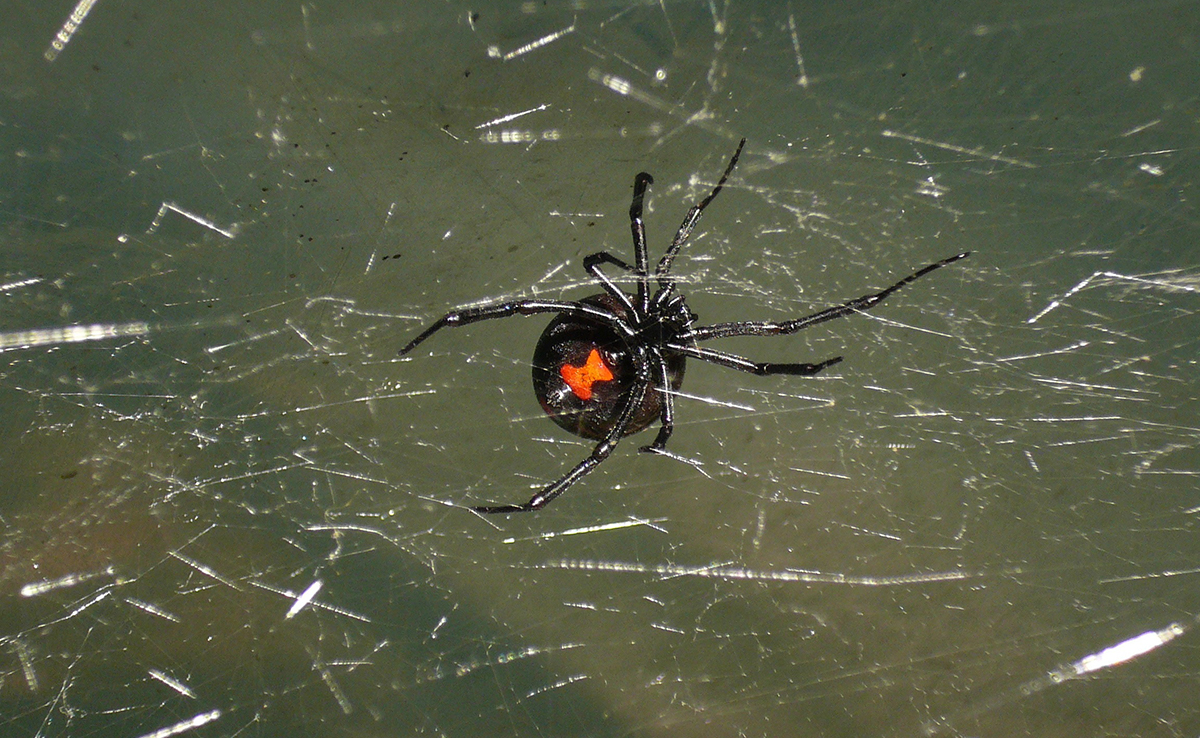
[608, 365]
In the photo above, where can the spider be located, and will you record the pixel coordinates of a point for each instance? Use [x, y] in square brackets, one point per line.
[608, 365]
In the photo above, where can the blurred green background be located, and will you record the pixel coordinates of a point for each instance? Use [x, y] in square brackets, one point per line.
[230, 509]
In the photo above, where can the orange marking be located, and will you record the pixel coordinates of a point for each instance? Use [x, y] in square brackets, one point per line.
[581, 378]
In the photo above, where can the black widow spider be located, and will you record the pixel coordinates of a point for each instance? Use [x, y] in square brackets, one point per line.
[607, 365]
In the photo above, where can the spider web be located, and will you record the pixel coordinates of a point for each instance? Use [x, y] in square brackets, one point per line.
[231, 509]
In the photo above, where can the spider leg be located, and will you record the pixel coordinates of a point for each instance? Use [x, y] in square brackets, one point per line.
[770, 328]
[599, 453]
[543, 498]
[689, 222]
[666, 415]
[733, 361]
[592, 264]
[641, 255]
[457, 318]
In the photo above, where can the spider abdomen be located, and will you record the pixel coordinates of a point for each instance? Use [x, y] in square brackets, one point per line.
[583, 373]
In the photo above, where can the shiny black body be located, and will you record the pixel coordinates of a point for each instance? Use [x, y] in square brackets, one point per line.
[645, 339]
[568, 340]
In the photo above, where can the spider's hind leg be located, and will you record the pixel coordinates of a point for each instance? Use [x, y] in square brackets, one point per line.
[666, 415]
[601, 452]
[762, 369]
